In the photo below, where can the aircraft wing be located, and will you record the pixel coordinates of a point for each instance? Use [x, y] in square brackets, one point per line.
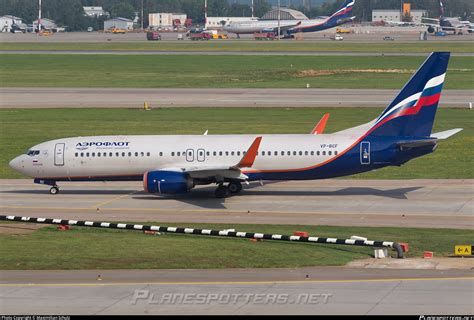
[220, 172]
[282, 27]
[445, 134]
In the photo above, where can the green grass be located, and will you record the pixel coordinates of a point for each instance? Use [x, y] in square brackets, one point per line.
[258, 46]
[23, 128]
[182, 71]
[82, 248]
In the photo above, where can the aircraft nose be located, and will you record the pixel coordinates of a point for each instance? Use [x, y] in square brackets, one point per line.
[16, 164]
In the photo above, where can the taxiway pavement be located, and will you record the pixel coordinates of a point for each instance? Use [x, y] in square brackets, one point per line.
[205, 97]
[326, 290]
[405, 203]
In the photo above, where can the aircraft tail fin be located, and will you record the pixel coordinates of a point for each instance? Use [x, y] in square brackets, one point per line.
[343, 14]
[412, 112]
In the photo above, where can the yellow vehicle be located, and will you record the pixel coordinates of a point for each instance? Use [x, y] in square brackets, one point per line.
[219, 36]
[116, 30]
[46, 33]
[343, 30]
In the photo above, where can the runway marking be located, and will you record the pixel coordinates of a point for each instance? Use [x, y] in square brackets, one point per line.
[115, 199]
[225, 210]
[229, 282]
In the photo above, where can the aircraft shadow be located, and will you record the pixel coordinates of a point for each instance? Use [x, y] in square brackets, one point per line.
[399, 193]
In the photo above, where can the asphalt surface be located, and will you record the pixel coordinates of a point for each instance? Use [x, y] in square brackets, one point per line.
[238, 291]
[392, 203]
[204, 97]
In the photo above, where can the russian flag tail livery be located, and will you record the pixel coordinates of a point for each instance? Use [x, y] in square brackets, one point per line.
[412, 112]
[342, 15]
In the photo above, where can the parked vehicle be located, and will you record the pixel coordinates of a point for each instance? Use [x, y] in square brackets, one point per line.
[264, 36]
[199, 36]
[388, 38]
[337, 37]
[153, 35]
[343, 30]
[180, 36]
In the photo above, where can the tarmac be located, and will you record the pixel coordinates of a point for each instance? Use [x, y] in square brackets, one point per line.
[391, 203]
[209, 97]
[323, 290]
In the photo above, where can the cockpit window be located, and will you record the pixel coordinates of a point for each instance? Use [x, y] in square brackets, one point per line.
[32, 153]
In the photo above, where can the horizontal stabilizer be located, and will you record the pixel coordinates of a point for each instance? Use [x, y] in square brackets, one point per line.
[445, 134]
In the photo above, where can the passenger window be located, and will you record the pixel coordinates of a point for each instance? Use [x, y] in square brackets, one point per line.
[208, 153]
[238, 153]
[82, 154]
[93, 154]
[123, 154]
[220, 153]
[161, 154]
[312, 153]
[98, 154]
[136, 154]
[275, 153]
[227, 153]
[301, 153]
[335, 153]
[294, 153]
[172, 154]
[76, 154]
[178, 154]
[142, 154]
[306, 153]
[288, 153]
[318, 153]
[329, 152]
[87, 154]
[263, 153]
[110, 154]
[116, 154]
[214, 153]
[147, 154]
[324, 153]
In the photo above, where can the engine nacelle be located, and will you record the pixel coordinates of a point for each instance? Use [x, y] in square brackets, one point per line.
[167, 182]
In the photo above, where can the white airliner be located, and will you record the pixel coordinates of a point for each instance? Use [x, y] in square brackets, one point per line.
[341, 16]
[176, 163]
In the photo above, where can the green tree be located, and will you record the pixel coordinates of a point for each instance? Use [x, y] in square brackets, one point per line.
[122, 9]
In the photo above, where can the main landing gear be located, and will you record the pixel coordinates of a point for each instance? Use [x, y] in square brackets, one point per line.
[233, 187]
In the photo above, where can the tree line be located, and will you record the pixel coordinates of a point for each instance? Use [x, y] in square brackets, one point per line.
[70, 13]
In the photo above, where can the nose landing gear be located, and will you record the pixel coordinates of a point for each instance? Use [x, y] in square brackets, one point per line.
[54, 190]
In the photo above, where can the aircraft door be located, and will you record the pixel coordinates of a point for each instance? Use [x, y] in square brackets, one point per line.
[201, 155]
[190, 155]
[365, 152]
[59, 154]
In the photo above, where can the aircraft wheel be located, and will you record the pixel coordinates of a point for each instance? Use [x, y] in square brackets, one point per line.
[234, 187]
[222, 192]
[54, 190]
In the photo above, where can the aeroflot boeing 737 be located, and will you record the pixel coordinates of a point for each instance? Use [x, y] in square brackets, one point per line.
[176, 163]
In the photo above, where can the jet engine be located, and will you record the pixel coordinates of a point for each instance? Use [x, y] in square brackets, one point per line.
[167, 182]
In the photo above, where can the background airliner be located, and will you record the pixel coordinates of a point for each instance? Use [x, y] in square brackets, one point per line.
[176, 163]
[341, 16]
[454, 24]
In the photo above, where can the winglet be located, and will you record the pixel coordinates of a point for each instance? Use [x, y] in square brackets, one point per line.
[249, 157]
[319, 128]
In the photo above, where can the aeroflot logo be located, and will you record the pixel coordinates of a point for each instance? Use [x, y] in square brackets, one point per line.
[85, 145]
